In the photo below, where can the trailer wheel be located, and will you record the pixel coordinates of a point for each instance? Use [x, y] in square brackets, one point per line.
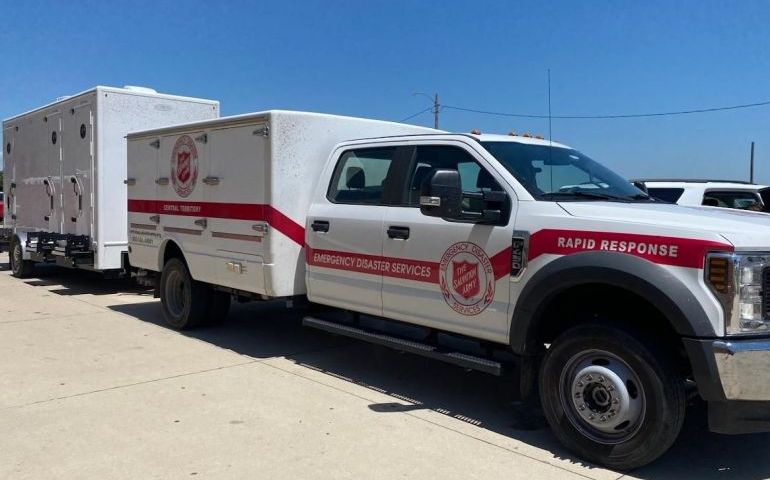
[20, 268]
[184, 301]
[219, 307]
[610, 398]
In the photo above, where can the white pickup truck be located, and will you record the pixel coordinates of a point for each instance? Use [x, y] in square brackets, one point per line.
[615, 306]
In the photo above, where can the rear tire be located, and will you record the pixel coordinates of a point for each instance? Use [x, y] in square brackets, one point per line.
[20, 268]
[610, 398]
[184, 301]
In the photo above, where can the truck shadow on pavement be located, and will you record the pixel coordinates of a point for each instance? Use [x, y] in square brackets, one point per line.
[267, 330]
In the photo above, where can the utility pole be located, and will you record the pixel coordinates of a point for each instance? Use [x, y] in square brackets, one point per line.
[437, 108]
[751, 168]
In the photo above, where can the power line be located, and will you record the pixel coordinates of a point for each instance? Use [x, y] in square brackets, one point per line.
[417, 114]
[594, 117]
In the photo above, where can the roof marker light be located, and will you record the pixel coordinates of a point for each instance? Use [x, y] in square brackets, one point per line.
[475, 131]
[513, 134]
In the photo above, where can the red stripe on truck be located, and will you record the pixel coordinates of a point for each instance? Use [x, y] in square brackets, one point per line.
[406, 268]
[231, 211]
[679, 252]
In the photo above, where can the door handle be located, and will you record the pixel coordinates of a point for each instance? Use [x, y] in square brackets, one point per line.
[201, 222]
[320, 226]
[398, 232]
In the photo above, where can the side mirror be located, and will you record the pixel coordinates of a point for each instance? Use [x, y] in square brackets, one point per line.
[441, 194]
[641, 186]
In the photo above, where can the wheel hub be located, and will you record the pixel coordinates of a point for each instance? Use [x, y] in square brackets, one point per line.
[602, 397]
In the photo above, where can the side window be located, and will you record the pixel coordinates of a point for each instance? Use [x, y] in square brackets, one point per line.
[473, 178]
[744, 200]
[360, 175]
[670, 195]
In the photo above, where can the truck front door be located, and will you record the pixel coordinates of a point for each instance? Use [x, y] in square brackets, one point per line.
[450, 275]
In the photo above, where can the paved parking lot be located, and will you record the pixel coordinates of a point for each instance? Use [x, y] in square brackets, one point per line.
[92, 385]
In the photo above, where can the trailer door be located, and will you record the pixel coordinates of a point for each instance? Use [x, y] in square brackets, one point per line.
[77, 169]
[53, 180]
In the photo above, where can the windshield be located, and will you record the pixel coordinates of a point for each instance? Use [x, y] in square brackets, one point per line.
[558, 174]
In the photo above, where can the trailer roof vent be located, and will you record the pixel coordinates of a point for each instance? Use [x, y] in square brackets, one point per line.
[134, 88]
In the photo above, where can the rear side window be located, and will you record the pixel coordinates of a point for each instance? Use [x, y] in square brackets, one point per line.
[360, 176]
[670, 195]
[743, 200]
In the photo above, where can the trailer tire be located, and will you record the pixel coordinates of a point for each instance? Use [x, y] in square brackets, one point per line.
[184, 301]
[219, 307]
[611, 398]
[20, 268]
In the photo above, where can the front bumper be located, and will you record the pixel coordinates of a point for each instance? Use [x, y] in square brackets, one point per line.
[733, 375]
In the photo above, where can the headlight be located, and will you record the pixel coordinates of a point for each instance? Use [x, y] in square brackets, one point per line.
[738, 280]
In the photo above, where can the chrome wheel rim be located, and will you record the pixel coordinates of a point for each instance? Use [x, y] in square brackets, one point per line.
[602, 397]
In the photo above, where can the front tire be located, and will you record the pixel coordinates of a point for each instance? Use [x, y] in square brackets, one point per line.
[610, 398]
[20, 268]
[184, 301]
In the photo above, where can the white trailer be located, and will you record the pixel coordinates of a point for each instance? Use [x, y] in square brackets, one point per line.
[65, 171]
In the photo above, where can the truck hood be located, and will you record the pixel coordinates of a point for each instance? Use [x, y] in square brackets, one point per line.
[744, 229]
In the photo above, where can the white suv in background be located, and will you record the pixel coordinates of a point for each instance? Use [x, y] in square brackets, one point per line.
[713, 193]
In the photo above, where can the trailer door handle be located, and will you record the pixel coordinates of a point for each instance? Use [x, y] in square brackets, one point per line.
[320, 226]
[201, 222]
[398, 232]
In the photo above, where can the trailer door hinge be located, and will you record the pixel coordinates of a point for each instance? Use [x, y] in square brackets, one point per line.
[204, 138]
[155, 218]
[162, 181]
[211, 181]
[263, 131]
[155, 144]
[130, 181]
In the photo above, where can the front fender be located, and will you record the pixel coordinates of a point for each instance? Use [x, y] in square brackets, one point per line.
[646, 279]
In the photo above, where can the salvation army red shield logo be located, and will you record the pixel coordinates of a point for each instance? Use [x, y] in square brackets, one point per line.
[184, 166]
[466, 278]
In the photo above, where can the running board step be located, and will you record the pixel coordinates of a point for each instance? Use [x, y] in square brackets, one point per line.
[456, 358]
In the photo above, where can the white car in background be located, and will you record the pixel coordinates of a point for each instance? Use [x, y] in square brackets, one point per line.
[713, 193]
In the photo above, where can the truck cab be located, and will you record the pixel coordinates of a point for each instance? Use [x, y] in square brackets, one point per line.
[614, 301]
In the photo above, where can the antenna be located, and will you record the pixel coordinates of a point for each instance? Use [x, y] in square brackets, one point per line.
[550, 135]
[550, 131]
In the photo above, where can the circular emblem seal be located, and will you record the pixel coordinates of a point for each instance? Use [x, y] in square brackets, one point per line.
[184, 166]
[466, 278]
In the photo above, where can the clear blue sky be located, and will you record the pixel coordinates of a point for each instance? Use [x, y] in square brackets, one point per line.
[365, 58]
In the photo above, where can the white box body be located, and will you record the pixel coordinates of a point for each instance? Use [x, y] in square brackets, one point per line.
[240, 223]
[65, 163]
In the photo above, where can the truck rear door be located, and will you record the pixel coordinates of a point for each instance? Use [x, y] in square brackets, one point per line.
[344, 232]
[450, 275]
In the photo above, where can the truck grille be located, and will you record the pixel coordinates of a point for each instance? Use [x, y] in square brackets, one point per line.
[766, 293]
